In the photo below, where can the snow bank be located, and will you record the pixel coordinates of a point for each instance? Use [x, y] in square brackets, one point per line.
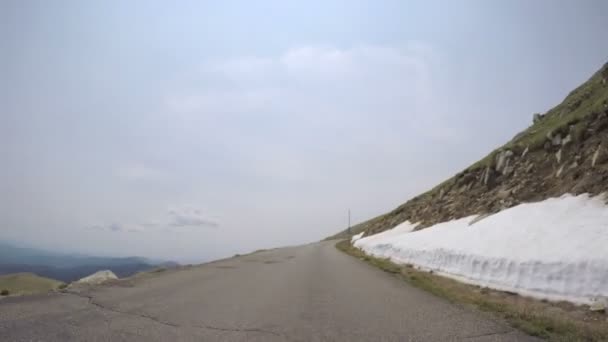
[556, 249]
[356, 237]
[98, 278]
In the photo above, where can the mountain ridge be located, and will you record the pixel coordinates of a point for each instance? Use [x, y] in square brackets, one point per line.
[69, 267]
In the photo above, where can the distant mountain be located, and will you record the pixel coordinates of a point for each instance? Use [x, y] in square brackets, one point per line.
[69, 267]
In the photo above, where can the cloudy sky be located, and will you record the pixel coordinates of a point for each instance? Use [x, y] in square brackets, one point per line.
[192, 130]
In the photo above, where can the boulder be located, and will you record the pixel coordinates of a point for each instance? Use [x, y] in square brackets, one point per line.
[559, 171]
[558, 156]
[488, 176]
[537, 117]
[599, 304]
[504, 194]
[466, 178]
[556, 140]
[599, 156]
[523, 154]
[595, 156]
[566, 140]
[502, 160]
[441, 193]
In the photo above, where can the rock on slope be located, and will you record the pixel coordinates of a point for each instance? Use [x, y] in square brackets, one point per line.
[564, 151]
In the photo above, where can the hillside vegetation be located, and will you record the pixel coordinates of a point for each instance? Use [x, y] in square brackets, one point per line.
[27, 283]
[565, 150]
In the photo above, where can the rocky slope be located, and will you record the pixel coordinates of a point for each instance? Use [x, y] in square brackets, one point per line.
[564, 151]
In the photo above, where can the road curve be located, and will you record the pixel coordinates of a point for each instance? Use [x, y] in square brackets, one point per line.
[305, 293]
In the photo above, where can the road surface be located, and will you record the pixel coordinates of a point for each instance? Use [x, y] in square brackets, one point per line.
[305, 293]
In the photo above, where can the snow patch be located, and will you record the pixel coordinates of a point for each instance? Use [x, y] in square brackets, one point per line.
[556, 249]
[356, 237]
[98, 278]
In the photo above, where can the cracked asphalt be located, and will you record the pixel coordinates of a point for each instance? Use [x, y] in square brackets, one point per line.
[305, 293]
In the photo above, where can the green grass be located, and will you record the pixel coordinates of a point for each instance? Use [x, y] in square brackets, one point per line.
[551, 321]
[583, 101]
[28, 283]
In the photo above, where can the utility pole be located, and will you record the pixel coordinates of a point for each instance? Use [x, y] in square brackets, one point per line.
[349, 232]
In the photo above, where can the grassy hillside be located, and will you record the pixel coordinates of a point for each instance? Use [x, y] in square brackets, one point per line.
[27, 283]
[565, 150]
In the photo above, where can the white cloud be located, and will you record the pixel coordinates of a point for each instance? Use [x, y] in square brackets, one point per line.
[175, 217]
[138, 172]
[118, 227]
[326, 62]
[241, 70]
[190, 217]
[283, 116]
[310, 78]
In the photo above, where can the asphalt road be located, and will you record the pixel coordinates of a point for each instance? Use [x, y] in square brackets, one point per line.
[305, 293]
